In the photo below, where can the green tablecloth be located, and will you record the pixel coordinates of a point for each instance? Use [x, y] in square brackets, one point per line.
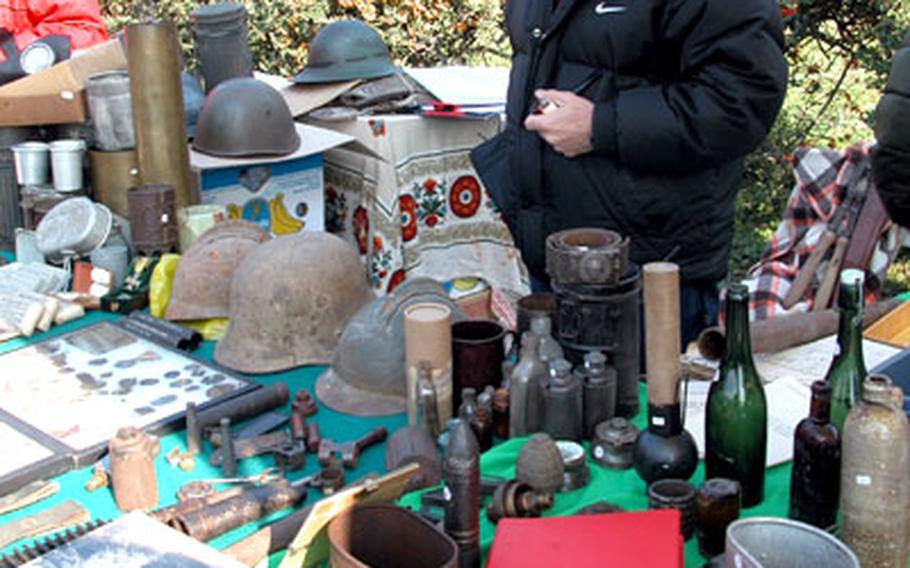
[623, 488]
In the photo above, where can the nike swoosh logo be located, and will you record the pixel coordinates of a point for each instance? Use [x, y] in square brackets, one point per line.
[604, 8]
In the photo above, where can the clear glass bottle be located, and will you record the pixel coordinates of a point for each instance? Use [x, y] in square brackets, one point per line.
[736, 419]
[848, 368]
[524, 388]
[815, 477]
[549, 349]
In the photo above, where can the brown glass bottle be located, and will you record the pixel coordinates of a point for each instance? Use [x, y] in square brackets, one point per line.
[815, 478]
[501, 413]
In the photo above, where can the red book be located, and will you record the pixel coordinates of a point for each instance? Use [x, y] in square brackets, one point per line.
[649, 539]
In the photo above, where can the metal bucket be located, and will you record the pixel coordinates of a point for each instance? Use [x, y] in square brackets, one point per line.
[111, 108]
[222, 43]
[32, 163]
[769, 542]
[386, 536]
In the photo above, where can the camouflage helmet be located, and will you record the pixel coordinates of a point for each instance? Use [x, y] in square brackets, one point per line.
[345, 50]
[290, 300]
[367, 376]
[202, 282]
[245, 117]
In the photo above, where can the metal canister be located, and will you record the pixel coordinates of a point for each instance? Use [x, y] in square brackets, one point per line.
[222, 43]
[10, 213]
[113, 173]
[599, 385]
[613, 443]
[153, 218]
[132, 456]
[158, 112]
[562, 403]
[604, 318]
[675, 494]
[110, 105]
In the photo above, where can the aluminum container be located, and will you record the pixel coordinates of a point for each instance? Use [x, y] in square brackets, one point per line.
[770, 542]
[74, 226]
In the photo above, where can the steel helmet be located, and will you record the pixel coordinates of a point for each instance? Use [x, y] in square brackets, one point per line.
[202, 282]
[290, 300]
[245, 117]
[346, 50]
[367, 376]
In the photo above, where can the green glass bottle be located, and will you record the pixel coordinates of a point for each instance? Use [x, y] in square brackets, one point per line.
[848, 368]
[736, 420]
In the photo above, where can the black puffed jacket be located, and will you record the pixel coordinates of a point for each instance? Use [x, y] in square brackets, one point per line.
[683, 90]
[891, 157]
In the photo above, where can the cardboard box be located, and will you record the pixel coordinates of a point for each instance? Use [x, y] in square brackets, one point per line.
[57, 94]
[283, 194]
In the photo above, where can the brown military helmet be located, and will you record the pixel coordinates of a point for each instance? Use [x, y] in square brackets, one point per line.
[202, 283]
[290, 300]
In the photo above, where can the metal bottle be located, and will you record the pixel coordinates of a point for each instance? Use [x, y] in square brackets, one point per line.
[875, 493]
[599, 385]
[524, 388]
[549, 349]
[563, 407]
[461, 469]
[482, 421]
[132, 455]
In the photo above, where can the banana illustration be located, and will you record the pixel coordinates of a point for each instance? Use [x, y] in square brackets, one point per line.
[282, 221]
[234, 212]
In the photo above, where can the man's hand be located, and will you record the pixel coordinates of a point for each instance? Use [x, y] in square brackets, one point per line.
[567, 128]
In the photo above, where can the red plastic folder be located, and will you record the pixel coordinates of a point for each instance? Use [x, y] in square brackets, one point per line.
[641, 540]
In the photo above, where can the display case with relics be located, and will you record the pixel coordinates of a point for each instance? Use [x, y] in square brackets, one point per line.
[64, 398]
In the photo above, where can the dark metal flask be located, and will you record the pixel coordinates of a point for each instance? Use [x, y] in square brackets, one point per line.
[222, 42]
[599, 385]
[461, 470]
[562, 403]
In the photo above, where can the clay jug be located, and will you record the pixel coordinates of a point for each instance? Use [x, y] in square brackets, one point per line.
[875, 496]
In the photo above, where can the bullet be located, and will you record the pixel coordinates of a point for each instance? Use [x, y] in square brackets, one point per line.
[461, 470]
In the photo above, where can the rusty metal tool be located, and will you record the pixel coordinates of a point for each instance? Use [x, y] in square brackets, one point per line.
[59, 517]
[313, 438]
[262, 424]
[350, 450]
[31, 493]
[250, 447]
[290, 456]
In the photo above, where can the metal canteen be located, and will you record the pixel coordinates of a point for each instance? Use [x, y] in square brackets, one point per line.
[587, 256]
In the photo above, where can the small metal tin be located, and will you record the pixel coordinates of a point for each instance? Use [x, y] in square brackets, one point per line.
[614, 442]
[676, 494]
[575, 466]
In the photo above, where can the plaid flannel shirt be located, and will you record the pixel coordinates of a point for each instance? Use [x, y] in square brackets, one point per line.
[822, 180]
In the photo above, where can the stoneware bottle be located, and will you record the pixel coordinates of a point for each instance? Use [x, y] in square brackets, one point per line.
[599, 385]
[874, 477]
[524, 388]
[562, 403]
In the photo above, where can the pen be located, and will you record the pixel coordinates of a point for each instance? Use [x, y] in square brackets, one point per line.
[543, 106]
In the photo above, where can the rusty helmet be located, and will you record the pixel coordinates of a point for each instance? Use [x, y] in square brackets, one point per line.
[245, 117]
[290, 299]
[202, 282]
[367, 375]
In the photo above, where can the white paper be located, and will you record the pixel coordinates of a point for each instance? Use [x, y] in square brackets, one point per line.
[788, 376]
[464, 86]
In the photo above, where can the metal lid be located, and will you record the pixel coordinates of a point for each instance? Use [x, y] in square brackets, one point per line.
[219, 13]
[617, 432]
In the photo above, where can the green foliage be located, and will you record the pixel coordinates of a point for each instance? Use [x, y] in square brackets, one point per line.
[419, 33]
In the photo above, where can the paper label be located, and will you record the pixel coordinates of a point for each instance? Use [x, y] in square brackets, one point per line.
[598, 452]
[863, 480]
[659, 421]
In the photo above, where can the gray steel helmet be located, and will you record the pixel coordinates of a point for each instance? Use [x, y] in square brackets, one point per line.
[245, 117]
[346, 50]
[367, 376]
